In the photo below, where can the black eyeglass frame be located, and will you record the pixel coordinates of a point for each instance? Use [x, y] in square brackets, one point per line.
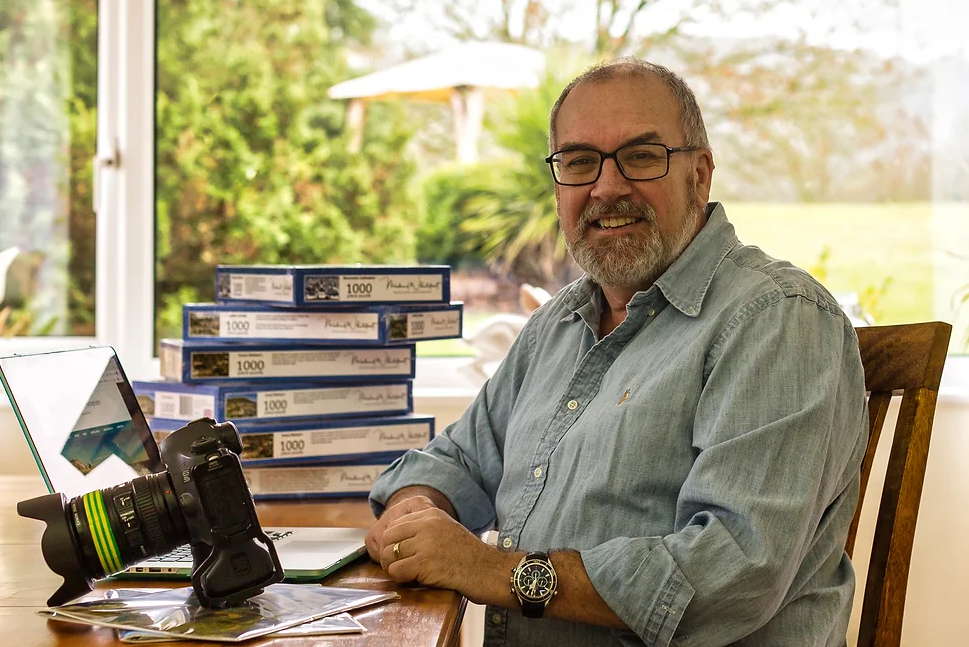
[604, 156]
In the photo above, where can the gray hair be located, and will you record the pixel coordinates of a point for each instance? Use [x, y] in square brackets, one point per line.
[691, 121]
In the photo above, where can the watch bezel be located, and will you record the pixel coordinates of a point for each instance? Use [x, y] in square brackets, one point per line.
[546, 567]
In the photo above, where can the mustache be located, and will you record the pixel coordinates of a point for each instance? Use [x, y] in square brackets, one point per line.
[624, 208]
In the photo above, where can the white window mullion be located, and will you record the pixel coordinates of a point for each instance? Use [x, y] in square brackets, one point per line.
[124, 193]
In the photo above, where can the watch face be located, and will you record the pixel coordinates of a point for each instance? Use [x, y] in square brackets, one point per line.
[535, 581]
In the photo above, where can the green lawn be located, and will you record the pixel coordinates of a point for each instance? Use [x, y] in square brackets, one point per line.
[906, 262]
[901, 259]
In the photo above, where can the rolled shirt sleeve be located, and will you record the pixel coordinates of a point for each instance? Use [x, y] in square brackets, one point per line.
[778, 435]
[464, 462]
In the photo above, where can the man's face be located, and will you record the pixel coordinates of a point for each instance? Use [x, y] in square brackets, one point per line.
[624, 233]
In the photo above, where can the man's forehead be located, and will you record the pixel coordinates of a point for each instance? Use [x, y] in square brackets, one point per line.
[619, 109]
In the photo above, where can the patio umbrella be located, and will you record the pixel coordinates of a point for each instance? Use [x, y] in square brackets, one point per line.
[457, 75]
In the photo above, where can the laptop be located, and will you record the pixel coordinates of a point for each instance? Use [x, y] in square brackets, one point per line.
[86, 431]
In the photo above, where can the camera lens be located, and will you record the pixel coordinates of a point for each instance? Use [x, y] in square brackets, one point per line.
[103, 531]
[120, 525]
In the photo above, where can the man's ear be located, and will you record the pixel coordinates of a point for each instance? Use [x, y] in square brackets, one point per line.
[703, 175]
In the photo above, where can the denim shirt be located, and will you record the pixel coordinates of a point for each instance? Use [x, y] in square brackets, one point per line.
[703, 457]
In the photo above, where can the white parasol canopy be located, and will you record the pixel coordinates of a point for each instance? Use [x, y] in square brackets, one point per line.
[433, 77]
[457, 75]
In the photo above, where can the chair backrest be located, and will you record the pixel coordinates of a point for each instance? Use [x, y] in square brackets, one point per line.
[902, 360]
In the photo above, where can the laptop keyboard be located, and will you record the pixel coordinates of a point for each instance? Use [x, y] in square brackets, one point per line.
[184, 552]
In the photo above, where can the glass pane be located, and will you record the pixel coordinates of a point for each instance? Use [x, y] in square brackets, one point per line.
[48, 100]
[836, 137]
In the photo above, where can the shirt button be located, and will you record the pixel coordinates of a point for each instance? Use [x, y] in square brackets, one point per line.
[506, 542]
[538, 472]
[496, 618]
[651, 312]
[572, 405]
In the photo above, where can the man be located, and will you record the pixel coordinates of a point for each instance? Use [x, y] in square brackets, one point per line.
[680, 430]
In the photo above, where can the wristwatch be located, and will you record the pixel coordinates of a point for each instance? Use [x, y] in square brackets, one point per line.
[534, 583]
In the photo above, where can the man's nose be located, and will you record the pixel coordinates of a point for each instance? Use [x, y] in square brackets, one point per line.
[611, 183]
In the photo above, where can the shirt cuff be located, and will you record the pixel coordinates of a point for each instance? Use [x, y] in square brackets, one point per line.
[642, 584]
[473, 506]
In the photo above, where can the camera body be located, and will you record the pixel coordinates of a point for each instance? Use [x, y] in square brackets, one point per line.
[233, 559]
[202, 499]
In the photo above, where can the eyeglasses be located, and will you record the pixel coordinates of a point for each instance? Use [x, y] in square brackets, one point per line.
[636, 162]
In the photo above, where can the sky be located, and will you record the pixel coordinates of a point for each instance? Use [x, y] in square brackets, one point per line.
[917, 30]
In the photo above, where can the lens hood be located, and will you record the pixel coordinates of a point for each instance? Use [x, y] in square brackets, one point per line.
[58, 545]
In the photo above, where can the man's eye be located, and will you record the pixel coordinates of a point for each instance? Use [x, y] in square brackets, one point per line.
[580, 162]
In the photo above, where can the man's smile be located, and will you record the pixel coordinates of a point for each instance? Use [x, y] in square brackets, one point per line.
[615, 222]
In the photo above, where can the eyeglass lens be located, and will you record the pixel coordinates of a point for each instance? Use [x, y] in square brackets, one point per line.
[636, 162]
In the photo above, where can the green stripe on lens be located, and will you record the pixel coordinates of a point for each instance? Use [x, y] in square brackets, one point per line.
[110, 543]
[90, 509]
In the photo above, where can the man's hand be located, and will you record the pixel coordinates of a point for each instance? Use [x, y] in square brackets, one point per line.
[436, 550]
[375, 537]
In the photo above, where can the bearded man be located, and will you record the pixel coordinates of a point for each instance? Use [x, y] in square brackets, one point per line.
[670, 451]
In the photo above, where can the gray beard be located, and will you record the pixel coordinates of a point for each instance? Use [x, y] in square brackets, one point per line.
[633, 261]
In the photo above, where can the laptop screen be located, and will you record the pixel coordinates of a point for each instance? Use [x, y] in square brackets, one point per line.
[80, 417]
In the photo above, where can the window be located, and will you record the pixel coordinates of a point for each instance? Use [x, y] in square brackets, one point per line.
[76, 80]
[836, 133]
[48, 112]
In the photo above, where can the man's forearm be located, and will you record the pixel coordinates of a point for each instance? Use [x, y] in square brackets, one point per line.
[436, 497]
[577, 600]
[455, 558]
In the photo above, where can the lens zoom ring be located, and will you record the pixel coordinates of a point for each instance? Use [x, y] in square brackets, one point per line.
[148, 514]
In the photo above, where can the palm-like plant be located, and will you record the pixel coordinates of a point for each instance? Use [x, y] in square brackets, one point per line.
[503, 209]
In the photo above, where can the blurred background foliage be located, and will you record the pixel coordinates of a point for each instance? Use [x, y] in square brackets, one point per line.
[253, 163]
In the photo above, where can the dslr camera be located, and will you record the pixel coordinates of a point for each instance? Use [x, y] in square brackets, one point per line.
[201, 499]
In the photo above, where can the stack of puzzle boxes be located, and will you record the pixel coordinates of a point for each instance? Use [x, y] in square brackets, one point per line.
[313, 364]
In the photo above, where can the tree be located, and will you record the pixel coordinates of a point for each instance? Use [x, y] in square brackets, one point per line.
[610, 28]
[791, 121]
[253, 163]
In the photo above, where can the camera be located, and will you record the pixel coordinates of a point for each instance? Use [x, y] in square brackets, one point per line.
[201, 499]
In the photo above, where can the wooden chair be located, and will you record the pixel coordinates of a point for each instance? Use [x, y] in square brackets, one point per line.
[902, 360]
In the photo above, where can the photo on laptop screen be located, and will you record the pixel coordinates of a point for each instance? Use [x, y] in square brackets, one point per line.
[82, 421]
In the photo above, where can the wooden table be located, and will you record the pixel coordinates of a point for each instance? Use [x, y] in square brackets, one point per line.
[422, 616]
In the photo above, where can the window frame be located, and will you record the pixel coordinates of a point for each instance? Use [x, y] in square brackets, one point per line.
[124, 191]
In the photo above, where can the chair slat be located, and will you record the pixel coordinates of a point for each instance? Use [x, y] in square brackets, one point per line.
[906, 360]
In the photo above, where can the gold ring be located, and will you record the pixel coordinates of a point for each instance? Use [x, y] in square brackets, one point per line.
[396, 551]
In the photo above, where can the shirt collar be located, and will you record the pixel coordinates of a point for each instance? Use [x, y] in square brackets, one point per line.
[684, 284]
